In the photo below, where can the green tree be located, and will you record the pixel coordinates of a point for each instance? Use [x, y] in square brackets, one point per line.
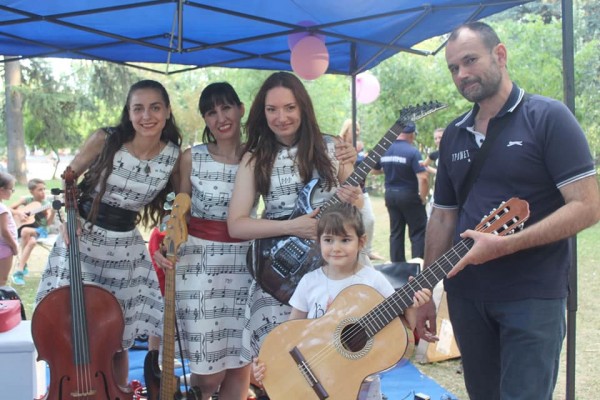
[14, 120]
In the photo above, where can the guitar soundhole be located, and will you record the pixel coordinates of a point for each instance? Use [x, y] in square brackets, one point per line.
[354, 338]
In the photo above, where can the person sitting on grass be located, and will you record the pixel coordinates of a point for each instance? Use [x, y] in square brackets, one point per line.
[33, 214]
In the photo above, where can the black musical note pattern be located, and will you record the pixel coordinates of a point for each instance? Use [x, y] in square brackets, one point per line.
[119, 261]
[212, 278]
[263, 312]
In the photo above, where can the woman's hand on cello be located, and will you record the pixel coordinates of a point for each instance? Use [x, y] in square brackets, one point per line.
[65, 233]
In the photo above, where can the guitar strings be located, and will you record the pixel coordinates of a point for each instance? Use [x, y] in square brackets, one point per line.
[452, 258]
[369, 318]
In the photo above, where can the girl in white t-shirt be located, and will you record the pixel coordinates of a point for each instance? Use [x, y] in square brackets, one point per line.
[341, 234]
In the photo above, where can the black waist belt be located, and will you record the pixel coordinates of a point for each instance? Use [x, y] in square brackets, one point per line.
[109, 217]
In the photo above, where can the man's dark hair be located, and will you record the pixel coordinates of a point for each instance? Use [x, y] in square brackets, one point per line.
[488, 36]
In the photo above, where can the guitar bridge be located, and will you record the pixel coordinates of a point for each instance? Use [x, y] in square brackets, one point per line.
[289, 257]
[308, 374]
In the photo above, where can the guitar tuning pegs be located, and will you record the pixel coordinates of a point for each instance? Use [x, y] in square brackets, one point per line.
[57, 204]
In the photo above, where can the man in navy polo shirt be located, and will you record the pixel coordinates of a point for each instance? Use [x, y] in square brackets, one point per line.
[406, 186]
[507, 296]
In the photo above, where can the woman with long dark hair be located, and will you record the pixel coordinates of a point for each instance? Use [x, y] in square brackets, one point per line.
[212, 278]
[129, 169]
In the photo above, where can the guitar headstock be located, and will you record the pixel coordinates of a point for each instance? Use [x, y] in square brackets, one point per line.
[418, 111]
[70, 178]
[176, 225]
[509, 217]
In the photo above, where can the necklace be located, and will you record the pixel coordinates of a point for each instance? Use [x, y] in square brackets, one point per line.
[145, 160]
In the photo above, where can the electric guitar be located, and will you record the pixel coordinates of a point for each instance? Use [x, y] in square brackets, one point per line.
[30, 210]
[278, 263]
[176, 235]
[329, 357]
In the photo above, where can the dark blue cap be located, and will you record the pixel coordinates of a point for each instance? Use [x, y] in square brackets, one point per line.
[410, 127]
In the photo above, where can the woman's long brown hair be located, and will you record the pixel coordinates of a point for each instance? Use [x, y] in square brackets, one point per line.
[263, 144]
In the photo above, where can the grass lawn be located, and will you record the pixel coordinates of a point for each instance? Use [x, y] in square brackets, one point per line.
[445, 373]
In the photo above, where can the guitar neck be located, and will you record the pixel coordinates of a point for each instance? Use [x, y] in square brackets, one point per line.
[167, 385]
[358, 176]
[411, 113]
[397, 303]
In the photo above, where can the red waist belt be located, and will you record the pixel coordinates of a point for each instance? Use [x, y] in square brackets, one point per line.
[210, 230]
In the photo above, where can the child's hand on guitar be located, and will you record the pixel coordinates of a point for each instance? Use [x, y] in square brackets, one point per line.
[420, 298]
[258, 371]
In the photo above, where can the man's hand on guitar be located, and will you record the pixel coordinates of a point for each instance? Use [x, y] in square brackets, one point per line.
[486, 247]
[426, 323]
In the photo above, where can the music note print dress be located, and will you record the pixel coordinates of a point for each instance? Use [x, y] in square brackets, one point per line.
[119, 261]
[212, 278]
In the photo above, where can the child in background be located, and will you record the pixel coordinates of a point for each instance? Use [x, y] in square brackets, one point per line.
[341, 234]
[8, 228]
[30, 233]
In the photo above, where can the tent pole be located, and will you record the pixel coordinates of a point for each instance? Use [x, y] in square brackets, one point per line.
[569, 99]
[353, 64]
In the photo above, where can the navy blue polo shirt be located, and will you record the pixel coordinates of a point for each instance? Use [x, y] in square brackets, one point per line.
[541, 149]
[400, 164]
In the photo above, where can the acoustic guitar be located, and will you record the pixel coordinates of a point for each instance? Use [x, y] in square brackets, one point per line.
[278, 263]
[176, 235]
[30, 210]
[360, 334]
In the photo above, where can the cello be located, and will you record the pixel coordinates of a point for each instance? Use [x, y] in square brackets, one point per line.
[79, 350]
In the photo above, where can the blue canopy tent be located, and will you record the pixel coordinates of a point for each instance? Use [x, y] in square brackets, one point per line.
[185, 35]
[359, 34]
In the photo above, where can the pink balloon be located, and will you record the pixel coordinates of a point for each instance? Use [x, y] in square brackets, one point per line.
[294, 38]
[367, 88]
[310, 58]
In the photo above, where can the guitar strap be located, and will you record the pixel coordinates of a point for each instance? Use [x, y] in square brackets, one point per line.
[493, 132]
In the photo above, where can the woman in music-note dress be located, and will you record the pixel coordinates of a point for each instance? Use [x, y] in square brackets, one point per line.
[130, 169]
[212, 278]
[285, 150]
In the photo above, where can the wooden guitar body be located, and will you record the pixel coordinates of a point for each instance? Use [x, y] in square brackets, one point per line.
[360, 333]
[31, 210]
[340, 365]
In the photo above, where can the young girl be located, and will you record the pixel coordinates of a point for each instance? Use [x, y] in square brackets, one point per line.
[341, 234]
[8, 228]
